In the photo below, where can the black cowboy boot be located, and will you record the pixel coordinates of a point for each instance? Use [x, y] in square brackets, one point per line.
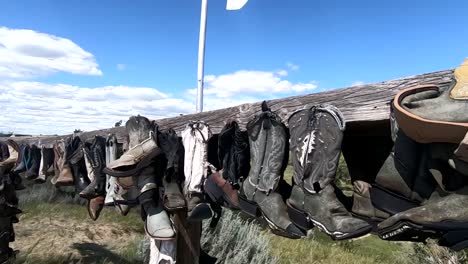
[316, 136]
[234, 157]
[75, 157]
[173, 150]
[7, 254]
[268, 148]
[33, 170]
[95, 161]
[4, 154]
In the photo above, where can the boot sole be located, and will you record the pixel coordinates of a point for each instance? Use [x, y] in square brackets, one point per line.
[452, 235]
[253, 210]
[303, 220]
[200, 212]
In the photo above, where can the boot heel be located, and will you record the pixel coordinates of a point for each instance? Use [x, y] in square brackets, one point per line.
[456, 240]
[249, 207]
[299, 218]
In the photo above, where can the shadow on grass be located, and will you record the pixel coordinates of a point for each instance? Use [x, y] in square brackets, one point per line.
[94, 253]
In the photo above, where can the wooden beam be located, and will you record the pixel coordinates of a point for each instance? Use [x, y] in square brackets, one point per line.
[369, 102]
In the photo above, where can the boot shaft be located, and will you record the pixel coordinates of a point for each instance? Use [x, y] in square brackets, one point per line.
[268, 141]
[233, 153]
[195, 141]
[316, 137]
[95, 157]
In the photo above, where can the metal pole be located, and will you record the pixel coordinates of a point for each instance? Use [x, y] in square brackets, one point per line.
[201, 55]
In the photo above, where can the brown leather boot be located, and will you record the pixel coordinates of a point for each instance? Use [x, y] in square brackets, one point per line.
[221, 191]
[95, 206]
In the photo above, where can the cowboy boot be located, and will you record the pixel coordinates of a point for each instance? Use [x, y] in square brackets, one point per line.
[65, 177]
[94, 155]
[436, 216]
[6, 253]
[75, 158]
[7, 164]
[47, 162]
[114, 190]
[59, 149]
[173, 150]
[268, 149]
[195, 140]
[440, 218]
[4, 154]
[95, 206]
[33, 170]
[234, 157]
[20, 166]
[139, 155]
[111, 155]
[316, 136]
[142, 150]
[157, 222]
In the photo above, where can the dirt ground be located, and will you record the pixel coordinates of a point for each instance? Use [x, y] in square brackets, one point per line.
[60, 239]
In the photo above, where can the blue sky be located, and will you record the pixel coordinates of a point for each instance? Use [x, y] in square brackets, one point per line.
[148, 51]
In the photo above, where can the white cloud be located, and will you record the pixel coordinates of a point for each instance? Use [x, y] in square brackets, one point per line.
[357, 83]
[243, 83]
[28, 53]
[292, 67]
[39, 108]
[282, 73]
[121, 67]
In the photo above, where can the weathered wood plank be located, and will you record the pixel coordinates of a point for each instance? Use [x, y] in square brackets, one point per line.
[359, 103]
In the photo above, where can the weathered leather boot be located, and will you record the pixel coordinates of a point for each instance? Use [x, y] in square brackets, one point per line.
[157, 222]
[440, 218]
[111, 155]
[316, 136]
[95, 160]
[95, 206]
[434, 119]
[65, 177]
[269, 151]
[75, 158]
[173, 150]
[234, 157]
[21, 164]
[46, 166]
[7, 255]
[4, 154]
[139, 155]
[195, 140]
[8, 163]
[33, 170]
[59, 150]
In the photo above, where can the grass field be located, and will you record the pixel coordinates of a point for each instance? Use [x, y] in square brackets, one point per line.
[55, 228]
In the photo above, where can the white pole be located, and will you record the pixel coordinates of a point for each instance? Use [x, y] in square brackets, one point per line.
[201, 56]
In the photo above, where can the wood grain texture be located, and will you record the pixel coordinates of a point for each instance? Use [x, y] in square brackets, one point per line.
[369, 102]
